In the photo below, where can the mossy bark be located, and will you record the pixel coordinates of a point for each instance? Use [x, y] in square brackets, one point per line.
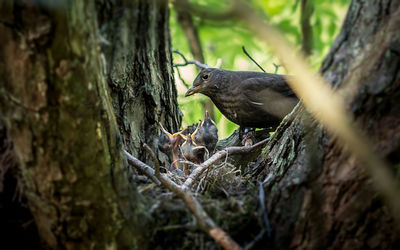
[80, 80]
[137, 49]
[56, 104]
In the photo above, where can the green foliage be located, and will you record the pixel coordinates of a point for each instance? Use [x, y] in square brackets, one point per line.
[223, 41]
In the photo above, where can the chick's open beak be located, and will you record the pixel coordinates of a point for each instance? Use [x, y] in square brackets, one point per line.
[191, 91]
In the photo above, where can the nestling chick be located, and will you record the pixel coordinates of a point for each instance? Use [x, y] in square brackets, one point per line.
[207, 134]
[169, 144]
[191, 151]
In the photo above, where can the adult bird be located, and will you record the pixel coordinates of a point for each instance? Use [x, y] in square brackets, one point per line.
[249, 99]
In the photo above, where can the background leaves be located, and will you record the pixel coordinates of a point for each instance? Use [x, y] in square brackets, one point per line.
[222, 41]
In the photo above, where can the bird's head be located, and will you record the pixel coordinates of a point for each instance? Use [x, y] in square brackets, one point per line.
[205, 81]
[168, 141]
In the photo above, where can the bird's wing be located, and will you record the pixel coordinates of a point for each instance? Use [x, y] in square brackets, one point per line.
[269, 81]
[270, 93]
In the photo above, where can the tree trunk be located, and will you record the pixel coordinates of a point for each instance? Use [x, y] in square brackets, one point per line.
[318, 196]
[56, 104]
[137, 49]
[81, 81]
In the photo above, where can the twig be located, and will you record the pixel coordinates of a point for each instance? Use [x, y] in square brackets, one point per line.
[253, 243]
[251, 58]
[267, 229]
[261, 196]
[197, 63]
[181, 78]
[145, 169]
[216, 157]
[204, 222]
[153, 157]
[276, 67]
[190, 163]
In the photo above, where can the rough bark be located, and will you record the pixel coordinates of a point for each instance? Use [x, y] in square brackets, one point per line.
[317, 195]
[54, 101]
[137, 49]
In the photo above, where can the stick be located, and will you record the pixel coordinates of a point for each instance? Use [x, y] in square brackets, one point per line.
[251, 58]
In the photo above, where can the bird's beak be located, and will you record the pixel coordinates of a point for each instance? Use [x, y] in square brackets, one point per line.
[191, 91]
[207, 116]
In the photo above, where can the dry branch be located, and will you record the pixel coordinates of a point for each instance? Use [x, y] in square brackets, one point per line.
[196, 173]
[186, 62]
[204, 222]
[252, 59]
[142, 167]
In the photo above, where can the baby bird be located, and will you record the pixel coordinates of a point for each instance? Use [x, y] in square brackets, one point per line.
[207, 134]
[190, 150]
[169, 144]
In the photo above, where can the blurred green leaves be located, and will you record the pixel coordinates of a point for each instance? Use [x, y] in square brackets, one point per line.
[223, 41]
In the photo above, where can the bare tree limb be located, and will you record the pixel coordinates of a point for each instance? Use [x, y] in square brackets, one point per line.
[153, 157]
[196, 173]
[186, 62]
[204, 222]
[145, 169]
[276, 68]
[181, 78]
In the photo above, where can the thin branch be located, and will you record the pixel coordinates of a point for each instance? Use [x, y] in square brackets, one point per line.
[261, 196]
[145, 169]
[186, 62]
[267, 230]
[181, 78]
[153, 157]
[190, 163]
[204, 222]
[276, 67]
[251, 58]
[196, 173]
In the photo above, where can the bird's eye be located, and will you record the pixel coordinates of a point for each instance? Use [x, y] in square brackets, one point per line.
[205, 77]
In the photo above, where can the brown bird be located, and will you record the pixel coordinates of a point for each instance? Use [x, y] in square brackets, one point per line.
[249, 99]
[207, 134]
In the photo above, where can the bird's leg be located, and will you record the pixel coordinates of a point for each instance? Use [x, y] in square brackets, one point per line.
[248, 136]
